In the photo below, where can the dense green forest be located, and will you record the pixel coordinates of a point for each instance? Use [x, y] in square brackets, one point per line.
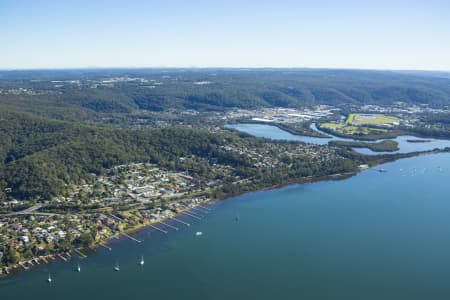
[39, 156]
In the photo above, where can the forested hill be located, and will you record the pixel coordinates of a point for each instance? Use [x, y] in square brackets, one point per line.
[39, 156]
[120, 91]
[48, 140]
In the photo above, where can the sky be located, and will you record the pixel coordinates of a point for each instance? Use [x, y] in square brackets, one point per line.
[363, 34]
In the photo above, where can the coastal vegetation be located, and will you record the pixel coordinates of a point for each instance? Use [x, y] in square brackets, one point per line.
[382, 146]
[418, 141]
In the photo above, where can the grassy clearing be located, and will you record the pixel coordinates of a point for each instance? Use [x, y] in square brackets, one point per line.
[331, 125]
[351, 130]
[371, 119]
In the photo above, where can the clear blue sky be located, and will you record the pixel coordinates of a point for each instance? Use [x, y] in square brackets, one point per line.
[383, 34]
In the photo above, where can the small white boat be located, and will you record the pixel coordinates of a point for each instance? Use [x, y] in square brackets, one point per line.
[142, 261]
[116, 268]
[78, 268]
[198, 233]
[49, 280]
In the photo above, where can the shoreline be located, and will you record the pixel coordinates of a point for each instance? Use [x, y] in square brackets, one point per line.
[45, 259]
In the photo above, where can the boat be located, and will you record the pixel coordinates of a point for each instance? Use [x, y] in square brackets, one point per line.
[49, 280]
[142, 261]
[78, 268]
[198, 233]
[116, 267]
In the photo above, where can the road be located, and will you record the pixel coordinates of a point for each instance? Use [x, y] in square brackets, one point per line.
[30, 211]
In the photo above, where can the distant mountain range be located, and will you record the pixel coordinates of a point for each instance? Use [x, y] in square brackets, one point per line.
[125, 90]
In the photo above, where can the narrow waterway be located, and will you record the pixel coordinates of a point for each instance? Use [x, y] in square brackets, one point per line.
[273, 132]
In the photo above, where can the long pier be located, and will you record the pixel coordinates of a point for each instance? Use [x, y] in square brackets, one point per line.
[182, 222]
[80, 253]
[195, 213]
[104, 246]
[163, 231]
[130, 237]
[22, 265]
[203, 212]
[168, 225]
[192, 215]
[62, 257]
[204, 207]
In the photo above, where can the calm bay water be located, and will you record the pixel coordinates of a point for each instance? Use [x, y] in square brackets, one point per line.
[373, 236]
[273, 132]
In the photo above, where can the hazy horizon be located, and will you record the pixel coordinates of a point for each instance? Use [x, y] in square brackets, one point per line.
[220, 68]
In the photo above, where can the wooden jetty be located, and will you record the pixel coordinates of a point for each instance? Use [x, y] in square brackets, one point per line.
[80, 253]
[192, 215]
[62, 257]
[195, 213]
[202, 211]
[105, 246]
[204, 207]
[130, 237]
[159, 229]
[180, 221]
[22, 265]
[168, 225]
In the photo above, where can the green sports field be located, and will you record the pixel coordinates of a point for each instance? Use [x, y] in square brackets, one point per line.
[371, 119]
